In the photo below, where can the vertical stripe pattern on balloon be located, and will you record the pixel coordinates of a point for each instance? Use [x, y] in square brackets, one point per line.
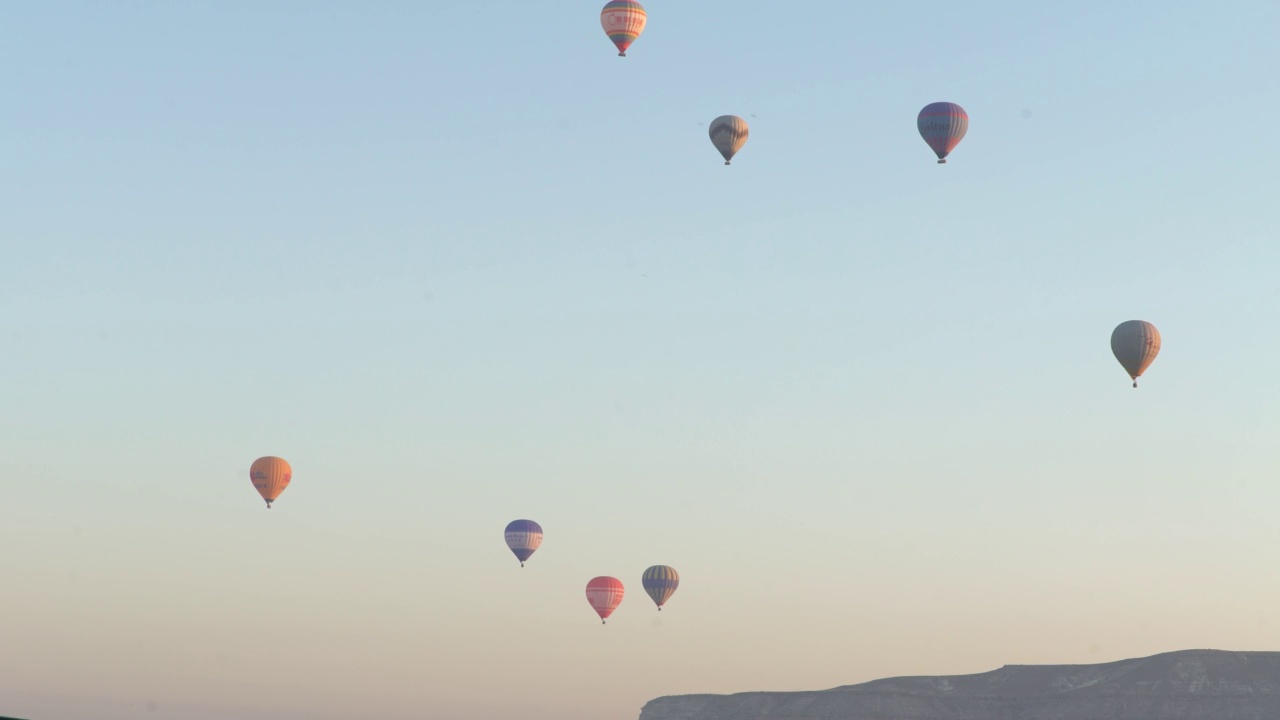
[1135, 343]
[623, 21]
[728, 133]
[942, 125]
[270, 476]
[660, 582]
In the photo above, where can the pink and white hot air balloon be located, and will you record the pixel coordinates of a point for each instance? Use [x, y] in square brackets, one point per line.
[605, 595]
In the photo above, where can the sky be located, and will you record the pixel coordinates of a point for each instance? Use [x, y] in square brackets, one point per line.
[459, 264]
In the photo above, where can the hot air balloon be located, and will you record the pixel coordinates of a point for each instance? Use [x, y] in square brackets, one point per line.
[1135, 343]
[942, 125]
[661, 581]
[728, 133]
[523, 537]
[605, 595]
[270, 476]
[623, 21]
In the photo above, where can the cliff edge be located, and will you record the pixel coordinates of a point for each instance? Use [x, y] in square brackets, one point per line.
[1185, 685]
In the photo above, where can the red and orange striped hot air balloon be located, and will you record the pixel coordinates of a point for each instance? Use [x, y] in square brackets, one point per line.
[605, 595]
[942, 125]
[270, 476]
[623, 21]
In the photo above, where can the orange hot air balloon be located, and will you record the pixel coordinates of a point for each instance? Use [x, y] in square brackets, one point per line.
[270, 476]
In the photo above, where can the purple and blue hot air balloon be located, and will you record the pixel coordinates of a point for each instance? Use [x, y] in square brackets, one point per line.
[942, 125]
[523, 537]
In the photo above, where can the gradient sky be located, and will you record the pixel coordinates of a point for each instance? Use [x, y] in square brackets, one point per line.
[460, 264]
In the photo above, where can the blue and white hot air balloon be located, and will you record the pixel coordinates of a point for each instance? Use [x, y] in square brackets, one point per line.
[523, 537]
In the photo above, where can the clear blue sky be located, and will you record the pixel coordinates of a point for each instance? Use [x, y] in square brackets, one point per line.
[459, 264]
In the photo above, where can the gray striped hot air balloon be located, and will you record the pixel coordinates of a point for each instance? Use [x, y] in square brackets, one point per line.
[942, 125]
[660, 582]
[1135, 343]
[728, 133]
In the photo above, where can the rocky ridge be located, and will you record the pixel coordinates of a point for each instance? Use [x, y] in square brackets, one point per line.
[1185, 685]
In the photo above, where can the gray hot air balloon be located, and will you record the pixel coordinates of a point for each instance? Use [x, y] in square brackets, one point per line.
[728, 133]
[1135, 344]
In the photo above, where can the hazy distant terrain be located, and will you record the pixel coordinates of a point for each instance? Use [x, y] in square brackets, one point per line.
[1186, 685]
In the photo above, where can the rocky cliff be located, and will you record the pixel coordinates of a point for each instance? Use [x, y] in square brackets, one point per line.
[1186, 685]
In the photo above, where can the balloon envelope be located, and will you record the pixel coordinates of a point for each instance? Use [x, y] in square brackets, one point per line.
[942, 125]
[270, 476]
[728, 133]
[623, 21]
[1135, 343]
[660, 582]
[523, 537]
[605, 595]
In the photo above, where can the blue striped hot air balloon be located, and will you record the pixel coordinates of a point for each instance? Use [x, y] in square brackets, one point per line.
[523, 537]
[942, 125]
[660, 581]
